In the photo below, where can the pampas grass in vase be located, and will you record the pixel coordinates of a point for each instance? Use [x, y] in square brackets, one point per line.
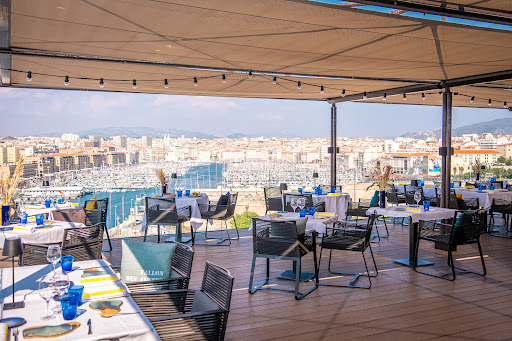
[381, 179]
[161, 177]
[9, 187]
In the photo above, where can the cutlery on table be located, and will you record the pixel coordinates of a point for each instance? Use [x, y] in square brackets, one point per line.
[15, 333]
[90, 327]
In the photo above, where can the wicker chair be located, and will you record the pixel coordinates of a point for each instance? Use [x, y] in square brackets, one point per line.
[180, 273]
[98, 215]
[504, 207]
[468, 204]
[393, 197]
[83, 243]
[351, 239]
[409, 195]
[212, 211]
[164, 212]
[358, 210]
[365, 203]
[497, 184]
[320, 207]
[281, 240]
[273, 199]
[193, 314]
[463, 231]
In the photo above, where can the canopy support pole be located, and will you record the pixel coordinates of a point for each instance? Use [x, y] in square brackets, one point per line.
[446, 150]
[5, 29]
[333, 148]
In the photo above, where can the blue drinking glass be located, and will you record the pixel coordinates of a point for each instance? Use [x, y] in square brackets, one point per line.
[491, 187]
[23, 218]
[69, 305]
[300, 190]
[333, 189]
[66, 263]
[311, 210]
[47, 203]
[179, 193]
[302, 212]
[60, 201]
[187, 192]
[79, 290]
[39, 219]
[452, 185]
[426, 205]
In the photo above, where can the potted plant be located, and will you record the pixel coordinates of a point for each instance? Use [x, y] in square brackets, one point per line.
[381, 178]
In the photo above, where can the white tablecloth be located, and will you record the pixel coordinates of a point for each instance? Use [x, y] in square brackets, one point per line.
[38, 236]
[336, 204]
[33, 210]
[129, 324]
[484, 198]
[318, 223]
[435, 213]
[195, 219]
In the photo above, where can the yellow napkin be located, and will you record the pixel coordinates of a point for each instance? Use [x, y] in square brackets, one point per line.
[94, 292]
[324, 213]
[429, 185]
[4, 333]
[487, 191]
[463, 189]
[413, 209]
[30, 228]
[333, 194]
[273, 215]
[469, 186]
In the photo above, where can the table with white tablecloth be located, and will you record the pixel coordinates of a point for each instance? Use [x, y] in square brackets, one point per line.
[31, 233]
[317, 223]
[34, 209]
[485, 198]
[336, 203]
[129, 324]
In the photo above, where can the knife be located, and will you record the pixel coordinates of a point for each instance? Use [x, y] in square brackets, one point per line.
[90, 327]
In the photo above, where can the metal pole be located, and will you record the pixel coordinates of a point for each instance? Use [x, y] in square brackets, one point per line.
[333, 145]
[446, 148]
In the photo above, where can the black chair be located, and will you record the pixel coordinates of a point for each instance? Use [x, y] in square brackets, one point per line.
[497, 184]
[320, 207]
[393, 196]
[432, 194]
[273, 199]
[358, 210]
[468, 204]
[193, 314]
[180, 273]
[457, 183]
[355, 239]
[464, 230]
[281, 240]
[453, 204]
[212, 211]
[327, 188]
[98, 215]
[409, 194]
[83, 243]
[164, 212]
[502, 206]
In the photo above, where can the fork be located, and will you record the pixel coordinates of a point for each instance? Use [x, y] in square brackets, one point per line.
[15, 333]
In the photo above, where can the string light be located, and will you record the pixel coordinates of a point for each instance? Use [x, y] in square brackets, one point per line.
[472, 99]
[364, 95]
[102, 84]
[134, 85]
[274, 81]
[322, 89]
[166, 84]
[223, 78]
[343, 93]
[423, 96]
[250, 74]
[490, 102]
[29, 76]
[299, 85]
[505, 105]
[66, 81]
[405, 98]
[195, 81]
[385, 97]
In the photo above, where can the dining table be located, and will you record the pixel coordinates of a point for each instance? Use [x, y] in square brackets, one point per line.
[127, 324]
[30, 233]
[336, 203]
[485, 197]
[35, 209]
[415, 214]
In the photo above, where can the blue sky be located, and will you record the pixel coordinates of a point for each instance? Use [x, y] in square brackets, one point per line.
[26, 112]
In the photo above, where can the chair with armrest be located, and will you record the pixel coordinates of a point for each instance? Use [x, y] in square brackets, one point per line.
[221, 212]
[356, 239]
[97, 215]
[273, 199]
[409, 195]
[497, 184]
[358, 210]
[464, 230]
[83, 243]
[193, 314]
[320, 207]
[164, 212]
[502, 206]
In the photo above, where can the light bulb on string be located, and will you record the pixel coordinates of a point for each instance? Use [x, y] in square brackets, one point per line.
[250, 74]
[385, 97]
[223, 78]
[404, 98]
[343, 93]
[472, 99]
[134, 84]
[66, 81]
[505, 105]
[102, 84]
[195, 81]
[490, 102]
[423, 96]
[274, 81]
[299, 85]
[364, 95]
[166, 84]
[29, 76]
[322, 89]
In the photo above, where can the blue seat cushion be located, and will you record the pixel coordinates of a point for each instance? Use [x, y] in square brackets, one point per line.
[224, 199]
[146, 261]
[458, 228]
[375, 199]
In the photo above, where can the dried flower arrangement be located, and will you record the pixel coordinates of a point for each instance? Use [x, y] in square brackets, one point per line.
[8, 184]
[381, 177]
[161, 177]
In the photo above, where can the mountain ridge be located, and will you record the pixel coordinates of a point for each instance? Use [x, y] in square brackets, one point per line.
[500, 126]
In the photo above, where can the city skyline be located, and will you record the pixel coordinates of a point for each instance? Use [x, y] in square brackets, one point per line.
[38, 112]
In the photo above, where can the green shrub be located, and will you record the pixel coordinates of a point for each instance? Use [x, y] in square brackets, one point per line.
[243, 220]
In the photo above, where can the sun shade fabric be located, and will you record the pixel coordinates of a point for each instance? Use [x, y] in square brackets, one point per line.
[285, 38]
[146, 261]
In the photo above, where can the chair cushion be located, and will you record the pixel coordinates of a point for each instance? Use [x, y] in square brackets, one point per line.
[375, 199]
[202, 303]
[301, 225]
[76, 215]
[458, 234]
[146, 261]
[92, 204]
[224, 199]
[459, 196]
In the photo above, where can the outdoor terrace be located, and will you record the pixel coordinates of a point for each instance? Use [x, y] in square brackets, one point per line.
[401, 305]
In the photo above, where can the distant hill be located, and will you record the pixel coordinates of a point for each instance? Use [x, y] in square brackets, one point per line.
[501, 126]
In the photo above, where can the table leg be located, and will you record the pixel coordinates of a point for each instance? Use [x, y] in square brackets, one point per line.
[413, 237]
[304, 276]
[179, 236]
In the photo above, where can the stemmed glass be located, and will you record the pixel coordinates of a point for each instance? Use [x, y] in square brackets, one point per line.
[61, 283]
[301, 202]
[417, 197]
[53, 255]
[22, 213]
[46, 290]
[294, 204]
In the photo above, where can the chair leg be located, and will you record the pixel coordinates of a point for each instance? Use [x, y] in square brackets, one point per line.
[192, 233]
[110, 243]
[251, 279]
[146, 232]
[159, 233]
[356, 276]
[236, 228]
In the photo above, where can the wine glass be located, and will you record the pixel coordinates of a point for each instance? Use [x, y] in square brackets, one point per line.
[53, 255]
[61, 284]
[301, 202]
[46, 290]
[294, 204]
[22, 213]
[417, 197]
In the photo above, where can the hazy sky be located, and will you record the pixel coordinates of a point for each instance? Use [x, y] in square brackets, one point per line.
[26, 112]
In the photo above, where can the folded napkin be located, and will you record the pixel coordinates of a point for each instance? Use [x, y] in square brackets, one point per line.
[273, 215]
[324, 213]
[103, 291]
[28, 228]
[413, 209]
[488, 191]
[463, 189]
[97, 275]
[336, 194]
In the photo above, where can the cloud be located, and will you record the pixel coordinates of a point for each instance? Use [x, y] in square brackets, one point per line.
[41, 95]
[200, 102]
[13, 93]
[99, 103]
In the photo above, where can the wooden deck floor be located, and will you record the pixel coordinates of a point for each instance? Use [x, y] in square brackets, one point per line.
[401, 305]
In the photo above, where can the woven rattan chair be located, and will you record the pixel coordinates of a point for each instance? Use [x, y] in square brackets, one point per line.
[497, 184]
[281, 240]
[409, 195]
[223, 213]
[502, 206]
[180, 273]
[83, 243]
[193, 314]
[357, 211]
[356, 239]
[273, 199]
[463, 231]
[320, 207]
[98, 215]
[468, 204]
[393, 196]
[164, 212]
